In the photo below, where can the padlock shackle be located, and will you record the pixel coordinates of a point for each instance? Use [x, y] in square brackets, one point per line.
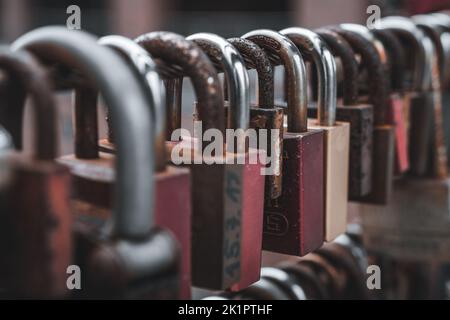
[443, 21]
[256, 58]
[378, 87]
[188, 59]
[340, 48]
[311, 46]
[280, 48]
[5, 140]
[133, 214]
[146, 69]
[408, 31]
[32, 80]
[228, 59]
[395, 55]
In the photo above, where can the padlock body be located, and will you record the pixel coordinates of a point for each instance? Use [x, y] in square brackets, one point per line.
[360, 118]
[336, 151]
[36, 230]
[396, 118]
[93, 182]
[294, 223]
[420, 131]
[261, 118]
[383, 166]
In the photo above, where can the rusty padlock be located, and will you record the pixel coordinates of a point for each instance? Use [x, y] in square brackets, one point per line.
[265, 115]
[36, 218]
[228, 59]
[128, 257]
[383, 133]
[217, 188]
[359, 115]
[394, 114]
[294, 223]
[419, 97]
[174, 215]
[438, 165]
[336, 134]
[395, 62]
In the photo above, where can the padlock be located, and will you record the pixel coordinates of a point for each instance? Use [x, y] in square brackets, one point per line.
[265, 115]
[216, 189]
[264, 289]
[419, 98]
[336, 134]
[285, 281]
[383, 133]
[294, 223]
[437, 151]
[359, 115]
[305, 276]
[224, 54]
[35, 217]
[174, 215]
[128, 257]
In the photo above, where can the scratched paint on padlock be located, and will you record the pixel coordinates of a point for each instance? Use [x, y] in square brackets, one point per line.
[232, 223]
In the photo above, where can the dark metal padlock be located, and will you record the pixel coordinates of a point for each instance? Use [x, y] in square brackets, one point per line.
[359, 115]
[438, 164]
[305, 276]
[174, 215]
[394, 56]
[420, 98]
[216, 189]
[383, 133]
[229, 60]
[336, 134]
[265, 115]
[35, 217]
[129, 257]
[294, 223]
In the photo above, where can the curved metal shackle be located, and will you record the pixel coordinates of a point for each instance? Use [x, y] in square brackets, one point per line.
[22, 67]
[5, 141]
[396, 56]
[133, 216]
[407, 30]
[443, 21]
[146, 69]
[278, 45]
[311, 45]
[256, 58]
[378, 89]
[341, 48]
[174, 50]
[222, 52]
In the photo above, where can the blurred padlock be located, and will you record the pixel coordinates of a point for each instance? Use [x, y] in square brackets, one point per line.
[127, 258]
[336, 134]
[175, 215]
[216, 188]
[419, 99]
[265, 115]
[383, 133]
[294, 223]
[228, 59]
[36, 220]
[359, 115]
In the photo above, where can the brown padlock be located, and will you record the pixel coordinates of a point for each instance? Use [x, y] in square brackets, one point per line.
[359, 115]
[265, 115]
[217, 188]
[129, 257]
[336, 134]
[418, 97]
[383, 134]
[36, 220]
[294, 223]
[228, 59]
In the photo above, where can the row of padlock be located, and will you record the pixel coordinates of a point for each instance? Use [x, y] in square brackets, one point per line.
[140, 227]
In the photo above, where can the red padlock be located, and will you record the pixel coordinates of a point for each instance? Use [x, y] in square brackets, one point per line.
[294, 223]
[228, 59]
[36, 220]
